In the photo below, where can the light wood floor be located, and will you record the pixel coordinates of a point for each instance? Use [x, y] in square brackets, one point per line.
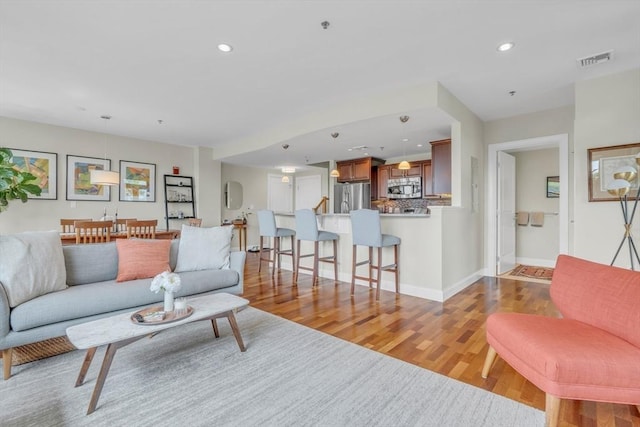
[448, 338]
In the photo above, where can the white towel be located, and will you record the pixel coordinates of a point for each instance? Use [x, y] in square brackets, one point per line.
[522, 218]
[537, 219]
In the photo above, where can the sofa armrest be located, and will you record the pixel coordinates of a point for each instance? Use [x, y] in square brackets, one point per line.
[237, 261]
[5, 312]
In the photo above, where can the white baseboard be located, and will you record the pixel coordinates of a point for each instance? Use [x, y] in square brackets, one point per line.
[405, 289]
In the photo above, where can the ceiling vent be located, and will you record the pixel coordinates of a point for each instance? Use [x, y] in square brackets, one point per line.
[360, 147]
[595, 59]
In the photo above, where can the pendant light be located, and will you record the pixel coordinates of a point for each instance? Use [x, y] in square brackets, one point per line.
[334, 172]
[404, 165]
[287, 169]
[104, 177]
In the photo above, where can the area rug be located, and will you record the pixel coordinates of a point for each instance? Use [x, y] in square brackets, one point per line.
[530, 273]
[290, 375]
[40, 350]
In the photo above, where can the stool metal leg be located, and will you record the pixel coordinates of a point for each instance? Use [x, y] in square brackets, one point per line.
[371, 267]
[335, 260]
[397, 263]
[276, 255]
[316, 255]
[379, 268]
[353, 269]
[260, 254]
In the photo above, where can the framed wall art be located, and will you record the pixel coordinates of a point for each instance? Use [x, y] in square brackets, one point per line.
[44, 166]
[137, 181]
[603, 162]
[79, 185]
[553, 186]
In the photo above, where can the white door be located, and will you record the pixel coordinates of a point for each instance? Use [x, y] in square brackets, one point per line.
[279, 194]
[506, 213]
[308, 191]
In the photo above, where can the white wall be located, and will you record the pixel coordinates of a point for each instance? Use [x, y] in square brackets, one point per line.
[607, 113]
[537, 245]
[45, 214]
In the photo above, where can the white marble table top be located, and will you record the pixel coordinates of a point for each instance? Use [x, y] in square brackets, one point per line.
[120, 327]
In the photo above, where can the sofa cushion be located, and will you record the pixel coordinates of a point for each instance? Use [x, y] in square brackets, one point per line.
[203, 248]
[90, 263]
[80, 301]
[32, 265]
[142, 258]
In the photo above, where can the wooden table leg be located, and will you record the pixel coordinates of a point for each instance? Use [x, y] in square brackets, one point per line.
[104, 370]
[236, 330]
[215, 328]
[85, 365]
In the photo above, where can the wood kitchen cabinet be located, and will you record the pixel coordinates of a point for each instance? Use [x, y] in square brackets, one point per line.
[414, 170]
[427, 180]
[357, 170]
[441, 166]
[383, 179]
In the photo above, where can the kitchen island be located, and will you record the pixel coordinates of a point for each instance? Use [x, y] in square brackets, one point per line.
[424, 270]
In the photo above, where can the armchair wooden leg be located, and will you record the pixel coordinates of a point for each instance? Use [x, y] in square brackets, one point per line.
[6, 362]
[552, 410]
[488, 362]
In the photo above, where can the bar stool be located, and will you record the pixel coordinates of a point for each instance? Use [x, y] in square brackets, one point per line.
[268, 229]
[366, 230]
[307, 229]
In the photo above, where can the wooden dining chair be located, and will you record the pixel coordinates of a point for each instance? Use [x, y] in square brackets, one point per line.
[121, 224]
[142, 229]
[93, 231]
[67, 224]
[195, 222]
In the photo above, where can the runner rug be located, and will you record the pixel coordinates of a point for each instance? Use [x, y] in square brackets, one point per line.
[290, 375]
[528, 272]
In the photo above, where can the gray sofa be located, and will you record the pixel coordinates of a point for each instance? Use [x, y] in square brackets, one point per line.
[93, 293]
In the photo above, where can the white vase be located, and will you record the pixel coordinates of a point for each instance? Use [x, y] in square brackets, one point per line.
[168, 301]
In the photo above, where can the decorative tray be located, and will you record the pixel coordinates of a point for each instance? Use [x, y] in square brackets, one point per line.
[157, 316]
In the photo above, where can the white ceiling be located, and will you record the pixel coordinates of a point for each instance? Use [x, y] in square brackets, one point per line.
[69, 62]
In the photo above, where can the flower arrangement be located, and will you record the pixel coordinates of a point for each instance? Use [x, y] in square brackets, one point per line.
[166, 281]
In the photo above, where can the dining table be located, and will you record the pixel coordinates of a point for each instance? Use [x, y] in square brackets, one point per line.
[70, 238]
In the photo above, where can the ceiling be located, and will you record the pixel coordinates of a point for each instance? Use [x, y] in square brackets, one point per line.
[69, 62]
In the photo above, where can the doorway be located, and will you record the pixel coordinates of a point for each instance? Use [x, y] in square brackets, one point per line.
[560, 142]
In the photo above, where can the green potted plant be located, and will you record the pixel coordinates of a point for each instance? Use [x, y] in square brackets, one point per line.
[14, 184]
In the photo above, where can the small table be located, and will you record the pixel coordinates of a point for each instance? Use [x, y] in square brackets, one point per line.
[242, 234]
[119, 330]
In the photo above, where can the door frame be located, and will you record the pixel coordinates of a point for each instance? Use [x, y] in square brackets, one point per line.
[560, 141]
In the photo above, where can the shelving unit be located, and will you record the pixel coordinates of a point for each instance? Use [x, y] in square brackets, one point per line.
[179, 198]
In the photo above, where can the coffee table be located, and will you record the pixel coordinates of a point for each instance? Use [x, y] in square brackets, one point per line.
[119, 330]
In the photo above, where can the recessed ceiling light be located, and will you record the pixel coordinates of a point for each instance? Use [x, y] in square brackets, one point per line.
[223, 47]
[405, 139]
[503, 47]
[419, 145]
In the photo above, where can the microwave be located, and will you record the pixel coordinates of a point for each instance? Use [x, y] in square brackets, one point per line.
[404, 188]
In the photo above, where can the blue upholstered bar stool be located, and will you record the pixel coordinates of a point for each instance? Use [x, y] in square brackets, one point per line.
[307, 229]
[268, 229]
[366, 231]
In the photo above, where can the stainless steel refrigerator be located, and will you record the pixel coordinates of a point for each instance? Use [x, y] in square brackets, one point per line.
[348, 197]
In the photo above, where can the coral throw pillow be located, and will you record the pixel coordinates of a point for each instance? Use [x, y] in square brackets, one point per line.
[140, 258]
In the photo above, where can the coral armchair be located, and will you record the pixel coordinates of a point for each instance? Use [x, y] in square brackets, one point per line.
[592, 352]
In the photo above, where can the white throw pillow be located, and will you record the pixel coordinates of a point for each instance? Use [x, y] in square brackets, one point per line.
[31, 264]
[203, 248]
